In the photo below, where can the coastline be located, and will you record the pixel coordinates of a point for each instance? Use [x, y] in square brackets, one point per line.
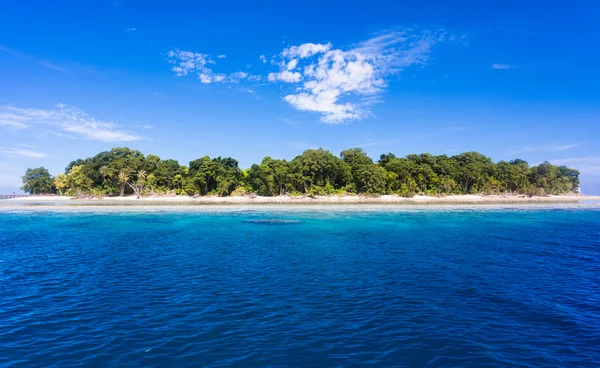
[285, 203]
[350, 199]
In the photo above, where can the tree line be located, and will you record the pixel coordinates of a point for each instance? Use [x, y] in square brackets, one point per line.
[123, 171]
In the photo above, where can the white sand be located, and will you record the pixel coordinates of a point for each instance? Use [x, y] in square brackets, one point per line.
[385, 199]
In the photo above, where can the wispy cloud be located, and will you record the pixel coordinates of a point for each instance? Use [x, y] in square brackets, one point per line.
[8, 50]
[438, 132]
[543, 148]
[586, 165]
[159, 95]
[186, 62]
[65, 120]
[523, 149]
[325, 76]
[22, 152]
[145, 126]
[503, 66]
[376, 143]
[442, 132]
[130, 29]
[55, 67]
[564, 147]
[263, 58]
[44, 63]
[221, 56]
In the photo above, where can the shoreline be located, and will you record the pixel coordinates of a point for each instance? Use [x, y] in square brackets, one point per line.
[284, 203]
[384, 199]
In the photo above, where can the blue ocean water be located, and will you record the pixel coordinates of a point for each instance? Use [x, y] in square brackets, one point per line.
[472, 288]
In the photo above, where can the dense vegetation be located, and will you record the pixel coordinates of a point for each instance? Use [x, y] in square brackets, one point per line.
[122, 171]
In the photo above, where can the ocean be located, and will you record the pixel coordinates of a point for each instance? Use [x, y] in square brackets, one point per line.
[300, 288]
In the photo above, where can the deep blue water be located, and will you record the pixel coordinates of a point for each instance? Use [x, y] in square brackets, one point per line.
[490, 288]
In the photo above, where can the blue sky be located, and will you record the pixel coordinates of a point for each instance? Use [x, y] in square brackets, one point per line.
[246, 79]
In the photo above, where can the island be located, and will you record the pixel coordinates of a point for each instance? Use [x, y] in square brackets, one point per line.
[317, 175]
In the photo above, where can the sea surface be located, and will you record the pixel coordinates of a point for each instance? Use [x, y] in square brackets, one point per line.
[300, 288]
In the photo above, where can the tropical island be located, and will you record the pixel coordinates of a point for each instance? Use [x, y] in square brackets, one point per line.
[316, 173]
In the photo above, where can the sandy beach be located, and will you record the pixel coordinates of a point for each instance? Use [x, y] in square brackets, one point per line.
[325, 202]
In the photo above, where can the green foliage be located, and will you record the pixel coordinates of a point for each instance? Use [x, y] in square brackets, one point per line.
[38, 181]
[316, 168]
[122, 171]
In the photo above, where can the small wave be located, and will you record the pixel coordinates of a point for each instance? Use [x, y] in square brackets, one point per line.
[273, 221]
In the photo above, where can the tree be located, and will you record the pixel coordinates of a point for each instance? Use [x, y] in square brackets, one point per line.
[37, 181]
[123, 178]
[78, 181]
[138, 185]
[61, 182]
[121, 171]
[371, 179]
[271, 177]
[313, 169]
[385, 158]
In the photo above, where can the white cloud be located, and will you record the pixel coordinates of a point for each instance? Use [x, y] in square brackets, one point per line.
[219, 78]
[66, 119]
[305, 50]
[565, 147]
[205, 78]
[339, 84]
[130, 29]
[187, 61]
[190, 62]
[237, 77]
[22, 152]
[292, 64]
[221, 56]
[159, 95]
[359, 73]
[285, 76]
[502, 66]
[145, 126]
[254, 78]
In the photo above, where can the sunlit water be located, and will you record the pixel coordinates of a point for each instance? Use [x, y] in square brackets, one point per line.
[301, 288]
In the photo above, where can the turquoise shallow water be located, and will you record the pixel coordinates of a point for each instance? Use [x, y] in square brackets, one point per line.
[439, 288]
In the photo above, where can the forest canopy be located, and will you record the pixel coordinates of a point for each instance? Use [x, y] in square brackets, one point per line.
[122, 171]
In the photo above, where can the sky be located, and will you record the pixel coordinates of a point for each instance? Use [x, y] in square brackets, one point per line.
[510, 79]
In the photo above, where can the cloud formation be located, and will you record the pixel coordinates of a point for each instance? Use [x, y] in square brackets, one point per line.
[65, 119]
[44, 63]
[589, 165]
[502, 66]
[187, 61]
[22, 152]
[193, 62]
[325, 77]
[339, 84]
[544, 148]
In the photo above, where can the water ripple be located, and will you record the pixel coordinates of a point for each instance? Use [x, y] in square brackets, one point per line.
[440, 289]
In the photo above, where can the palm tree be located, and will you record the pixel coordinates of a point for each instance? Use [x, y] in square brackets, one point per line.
[123, 178]
[138, 187]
